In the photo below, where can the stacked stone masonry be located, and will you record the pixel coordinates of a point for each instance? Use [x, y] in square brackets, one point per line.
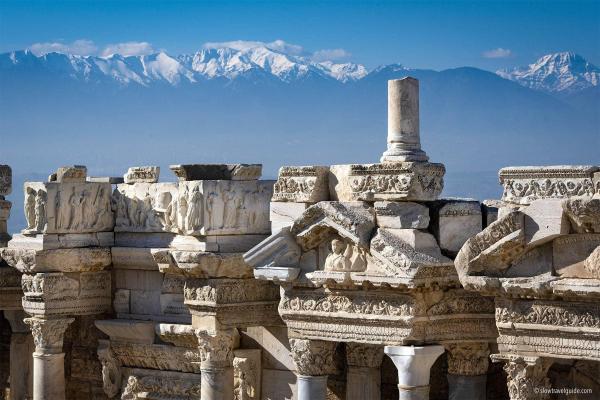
[352, 281]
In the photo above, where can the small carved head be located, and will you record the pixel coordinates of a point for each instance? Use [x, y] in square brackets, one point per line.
[338, 246]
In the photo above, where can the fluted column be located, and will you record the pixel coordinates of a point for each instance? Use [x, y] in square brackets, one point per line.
[314, 361]
[216, 366]
[21, 361]
[413, 364]
[467, 370]
[363, 379]
[526, 377]
[48, 358]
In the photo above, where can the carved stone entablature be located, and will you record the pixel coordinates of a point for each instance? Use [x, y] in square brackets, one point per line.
[522, 185]
[306, 184]
[30, 261]
[227, 172]
[584, 214]
[364, 355]
[200, 264]
[354, 221]
[468, 358]
[142, 384]
[313, 357]
[216, 348]
[526, 376]
[111, 369]
[47, 294]
[561, 329]
[48, 334]
[234, 302]
[146, 207]
[404, 181]
[387, 317]
[147, 174]
[5, 180]
[157, 356]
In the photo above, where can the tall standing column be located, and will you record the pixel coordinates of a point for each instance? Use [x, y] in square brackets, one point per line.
[21, 362]
[413, 364]
[314, 360]
[467, 370]
[216, 365]
[363, 380]
[48, 358]
[403, 140]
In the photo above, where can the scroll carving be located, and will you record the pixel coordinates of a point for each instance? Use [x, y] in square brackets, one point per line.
[111, 369]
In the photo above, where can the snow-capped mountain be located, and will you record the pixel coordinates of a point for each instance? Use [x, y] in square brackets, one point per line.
[560, 72]
[208, 63]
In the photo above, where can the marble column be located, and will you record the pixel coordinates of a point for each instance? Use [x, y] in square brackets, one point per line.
[363, 379]
[21, 360]
[48, 358]
[216, 365]
[413, 364]
[526, 376]
[467, 370]
[403, 140]
[314, 361]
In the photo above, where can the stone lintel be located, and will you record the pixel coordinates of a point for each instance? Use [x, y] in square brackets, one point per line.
[230, 172]
[302, 184]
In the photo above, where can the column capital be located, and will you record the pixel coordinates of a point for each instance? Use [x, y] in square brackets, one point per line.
[526, 376]
[364, 355]
[216, 349]
[468, 358]
[48, 334]
[313, 357]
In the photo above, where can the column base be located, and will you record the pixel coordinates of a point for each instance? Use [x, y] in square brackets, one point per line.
[466, 387]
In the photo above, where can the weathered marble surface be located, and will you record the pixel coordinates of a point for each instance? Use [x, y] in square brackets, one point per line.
[303, 184]
[233, 172]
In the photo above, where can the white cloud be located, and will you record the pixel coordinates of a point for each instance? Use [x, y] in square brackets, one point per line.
[80, 47]
[497, 53]
[128, 49]
[330, 55]
[276, 45]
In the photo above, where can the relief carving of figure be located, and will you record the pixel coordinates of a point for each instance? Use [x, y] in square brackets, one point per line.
[40, 210]
[231, 209]
[30, 208]
[345, 257]
[194, 215]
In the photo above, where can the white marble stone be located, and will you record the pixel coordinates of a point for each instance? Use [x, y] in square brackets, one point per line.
[544, 221]
[304, 184]
[147, 174]
[401, 215]
[455, 221]
[283, 214]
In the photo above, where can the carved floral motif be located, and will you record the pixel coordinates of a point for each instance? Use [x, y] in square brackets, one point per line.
[158, 387]
[216, 350]
[525, 378]
[468, 358]
[48, 334]
[313, 357]
[362, 355]
[548, 313]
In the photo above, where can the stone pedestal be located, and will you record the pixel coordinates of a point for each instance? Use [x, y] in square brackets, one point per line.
[216, 366]
[413, 364]
[467, 368]
[363, 379]
[314, 360]
[48, 358]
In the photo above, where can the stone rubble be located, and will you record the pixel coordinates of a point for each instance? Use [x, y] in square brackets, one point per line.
[353, 281]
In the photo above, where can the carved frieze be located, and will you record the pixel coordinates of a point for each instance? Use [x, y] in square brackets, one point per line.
[157, 356]
[147, 385]
[35, 203]
[147, 174]
[307, 184]
[146, 207]
[522, 185]
[418, 181]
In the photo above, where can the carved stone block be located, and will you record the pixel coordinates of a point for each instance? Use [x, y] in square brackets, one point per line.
[146, 207]
[59, 260]
[307, 184]
[403, 181]
[522, 185]
[420, 241]
[584, 214]
[208, 264]
[129, 331]
[62, 241]
[142, 174]
[283, 214]
[401, 215]
[229, 172]
[279, 253]
[455, 221]
[69, 174]
[570, 253]
[5, 180]
[544, 221]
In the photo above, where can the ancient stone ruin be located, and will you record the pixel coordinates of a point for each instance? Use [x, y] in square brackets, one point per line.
[351, 281]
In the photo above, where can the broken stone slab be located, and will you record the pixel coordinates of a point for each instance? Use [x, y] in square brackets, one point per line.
[584, 214]
[275, 258]
[401, 215]
[230, 172]
[537, 261]
[453, 221]
[570, 253]
[401, 181]
[130, 331]
[62, 241]
[352, 220]
[146, 174]
[113, 180]
[522, 185]
[207, 264]
[59, 260]
[5, 180]
[283, 214]
[303, 184]
[544, 221]
[69, 174]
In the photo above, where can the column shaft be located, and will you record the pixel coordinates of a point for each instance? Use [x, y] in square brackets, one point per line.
[363, 383]
[21, 366]
[49, 376]
[414, 365]
[216, 383]
[312, 387]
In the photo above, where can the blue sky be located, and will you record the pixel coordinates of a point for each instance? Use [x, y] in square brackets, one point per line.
[424, 34]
